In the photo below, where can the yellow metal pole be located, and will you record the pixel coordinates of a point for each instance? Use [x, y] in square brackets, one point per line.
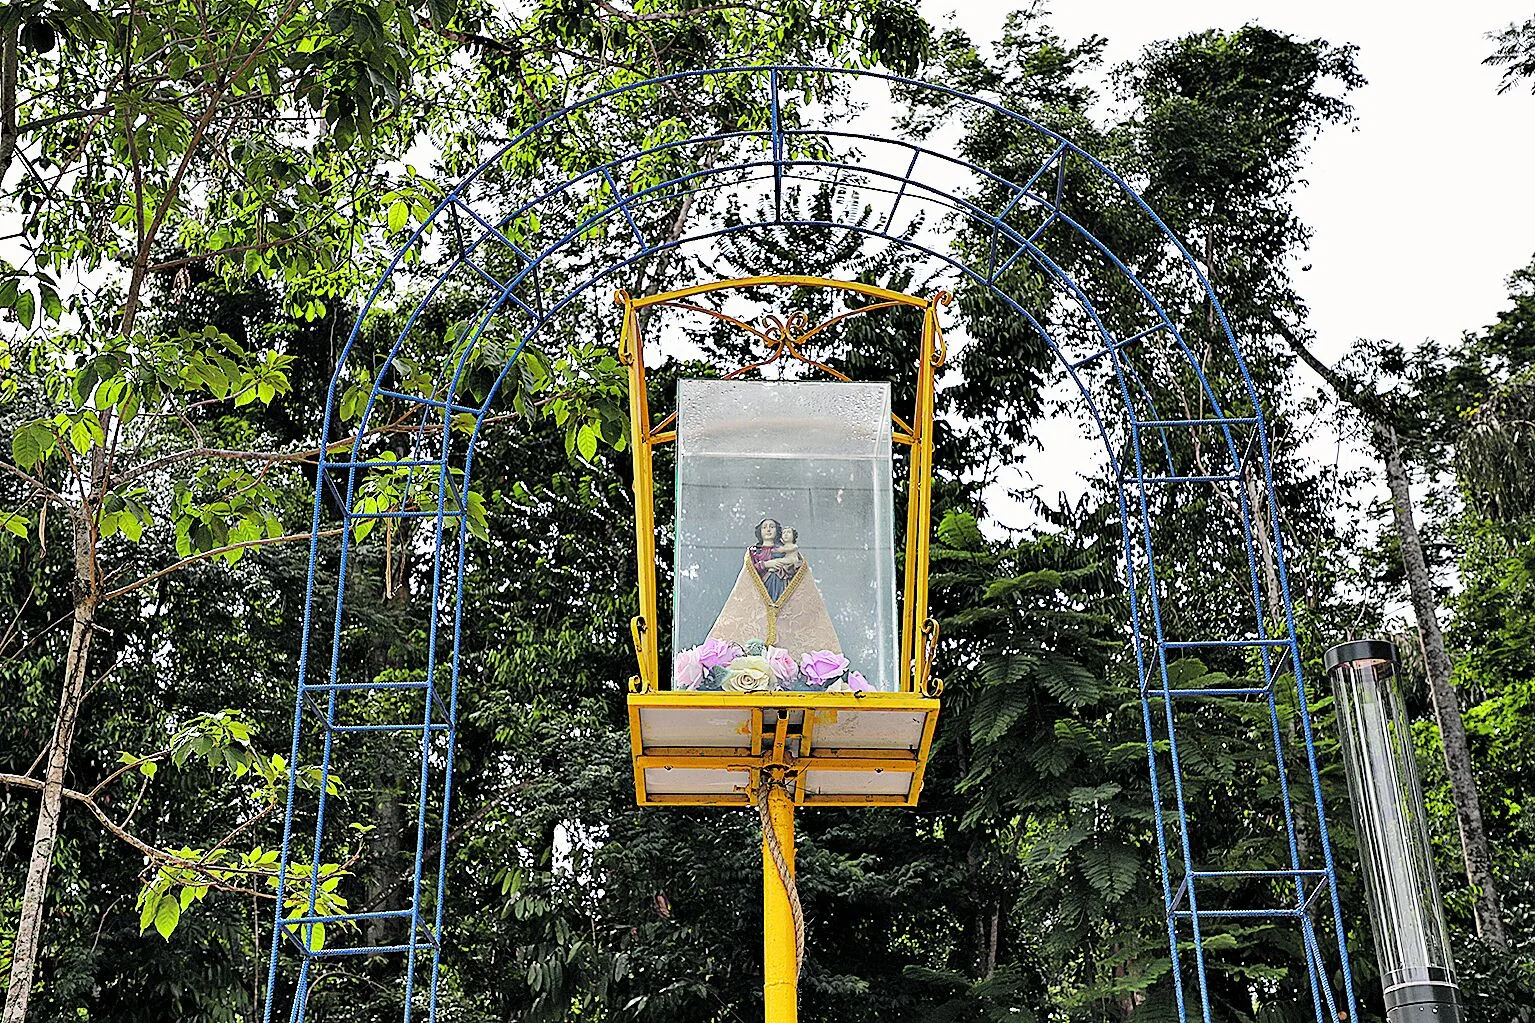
[631, 352]
[919, 503]
[780, 970]
[927, 379]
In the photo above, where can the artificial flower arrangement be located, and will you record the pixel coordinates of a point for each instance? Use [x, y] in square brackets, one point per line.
[759, 668]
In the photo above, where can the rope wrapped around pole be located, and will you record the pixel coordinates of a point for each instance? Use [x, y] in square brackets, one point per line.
[785, 875]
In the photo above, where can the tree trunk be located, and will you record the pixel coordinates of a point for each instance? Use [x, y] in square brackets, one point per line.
[29, 925]
[1452, 729]
[33, 897]
[993, 936]
[8, 62]
[383, 883]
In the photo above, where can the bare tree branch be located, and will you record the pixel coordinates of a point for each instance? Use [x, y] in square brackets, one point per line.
[633, 17]
[172, 264]
[164, 856]
[215, 552]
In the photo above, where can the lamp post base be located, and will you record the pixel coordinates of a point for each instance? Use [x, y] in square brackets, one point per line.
[1431, 1002]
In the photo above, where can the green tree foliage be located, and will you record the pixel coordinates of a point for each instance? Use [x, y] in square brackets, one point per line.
[1490, 541]
[1515, 53]
[194, 233]
[153, 144]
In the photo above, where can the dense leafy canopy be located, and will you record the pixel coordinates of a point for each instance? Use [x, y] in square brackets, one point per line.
[200, 191]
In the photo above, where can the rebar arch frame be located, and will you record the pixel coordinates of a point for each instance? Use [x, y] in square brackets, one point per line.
[775, 157]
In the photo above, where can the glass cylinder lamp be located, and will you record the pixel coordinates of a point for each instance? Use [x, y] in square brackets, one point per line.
[1412, 943]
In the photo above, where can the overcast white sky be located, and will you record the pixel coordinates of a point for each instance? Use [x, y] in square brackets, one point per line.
[1426, 203]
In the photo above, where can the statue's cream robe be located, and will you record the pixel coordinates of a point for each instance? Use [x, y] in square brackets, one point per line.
[798, 621]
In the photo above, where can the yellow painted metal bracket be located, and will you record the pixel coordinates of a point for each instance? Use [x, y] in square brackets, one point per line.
[785, 280]
[779, 732]
[767, 741]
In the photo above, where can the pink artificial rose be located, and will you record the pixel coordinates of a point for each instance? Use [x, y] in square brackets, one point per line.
[858, 684]
[821, 666]
[782, 663]
[688, 671]
[714, 652]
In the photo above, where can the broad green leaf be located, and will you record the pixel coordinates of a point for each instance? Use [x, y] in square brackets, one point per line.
[149, 905]
[52, 307]
[26, 451]
[586, 441]
[167, 916]
[16, 523]
[80, 437]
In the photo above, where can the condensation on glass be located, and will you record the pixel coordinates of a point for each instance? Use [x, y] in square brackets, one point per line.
[1412, 943]
[785, 548]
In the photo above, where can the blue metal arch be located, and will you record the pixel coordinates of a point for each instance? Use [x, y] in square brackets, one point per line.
[769, 158]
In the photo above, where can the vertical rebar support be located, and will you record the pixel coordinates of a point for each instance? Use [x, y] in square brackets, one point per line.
[919, 501]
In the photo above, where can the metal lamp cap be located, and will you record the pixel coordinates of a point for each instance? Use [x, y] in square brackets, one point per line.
[1359, 650]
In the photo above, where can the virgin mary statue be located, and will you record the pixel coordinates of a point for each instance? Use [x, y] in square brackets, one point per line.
[775, 598]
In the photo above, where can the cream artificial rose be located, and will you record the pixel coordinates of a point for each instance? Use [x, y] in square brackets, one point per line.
[748, 675]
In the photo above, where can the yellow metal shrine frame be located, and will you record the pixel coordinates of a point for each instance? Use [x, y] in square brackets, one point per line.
[777, 750]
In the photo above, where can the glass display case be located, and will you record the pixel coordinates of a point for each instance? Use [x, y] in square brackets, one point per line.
[785, 548]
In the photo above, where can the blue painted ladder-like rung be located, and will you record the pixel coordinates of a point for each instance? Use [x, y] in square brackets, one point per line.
[1289, 876]
[442, 724]
[333, 923]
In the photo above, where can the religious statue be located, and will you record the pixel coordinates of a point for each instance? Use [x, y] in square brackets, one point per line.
[775, 598]
[774, 631]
